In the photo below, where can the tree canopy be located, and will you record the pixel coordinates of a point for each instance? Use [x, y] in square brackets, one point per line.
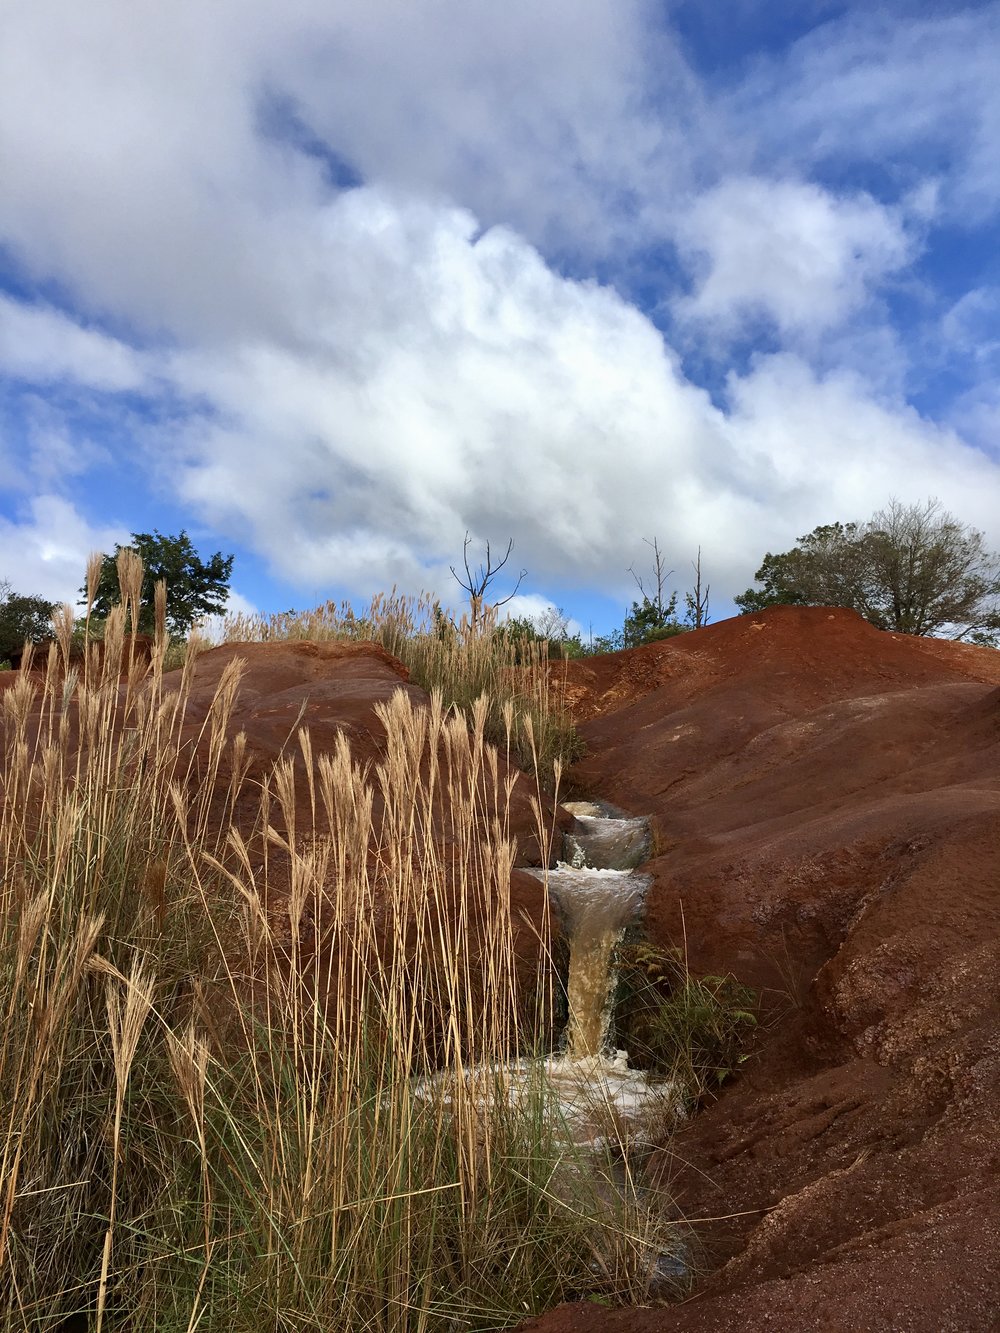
[22, 618]
[195, 587]
[913, 569]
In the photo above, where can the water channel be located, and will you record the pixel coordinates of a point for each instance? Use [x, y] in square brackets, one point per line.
[598, 892]
[600, 1104]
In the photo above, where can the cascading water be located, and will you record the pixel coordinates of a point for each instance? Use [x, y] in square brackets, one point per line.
[597, 896]
[596, 1100]
[596, 905]
[604, 841]
[598, 893]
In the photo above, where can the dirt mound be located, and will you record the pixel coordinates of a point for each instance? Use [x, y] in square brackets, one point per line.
[825, 652]
[826, 805]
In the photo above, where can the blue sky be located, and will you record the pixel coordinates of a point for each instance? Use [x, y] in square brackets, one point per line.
[329, 285]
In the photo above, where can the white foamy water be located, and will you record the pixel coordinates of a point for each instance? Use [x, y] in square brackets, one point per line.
[601, 839]
[584, 809]
[589, 1087]
[597, 1099]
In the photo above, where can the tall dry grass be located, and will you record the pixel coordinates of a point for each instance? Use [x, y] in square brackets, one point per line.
[462, 660]
[212, 1035]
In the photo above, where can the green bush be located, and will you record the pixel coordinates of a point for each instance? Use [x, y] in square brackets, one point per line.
[22, 619]
[697, 1029]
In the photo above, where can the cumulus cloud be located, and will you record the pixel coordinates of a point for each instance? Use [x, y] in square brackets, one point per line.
[473, 388]
[823, 448]
[476, 389]
[786, 251]
[44, 554]
[348, 379]
[181, 148]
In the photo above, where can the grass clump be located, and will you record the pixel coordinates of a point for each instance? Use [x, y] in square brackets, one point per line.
[697, 1029]
[461, 660]
[218, 1038]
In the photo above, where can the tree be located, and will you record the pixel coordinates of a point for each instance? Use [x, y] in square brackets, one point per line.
[195, 587]
[477, 582]
[22, 619]
[913, 569]
[655, 616]
[696, 601]
[550, 626]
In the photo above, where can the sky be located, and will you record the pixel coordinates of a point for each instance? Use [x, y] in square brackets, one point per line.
[330, 285]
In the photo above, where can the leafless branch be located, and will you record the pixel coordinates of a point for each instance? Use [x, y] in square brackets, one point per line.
[660, 574]
[477, 582]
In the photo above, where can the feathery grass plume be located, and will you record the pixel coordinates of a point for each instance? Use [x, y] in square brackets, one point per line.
[462, 660]
[125, 1024]
[323, 1148]
[130, 571]
[63, 622]
[95, 567]
[161, 639]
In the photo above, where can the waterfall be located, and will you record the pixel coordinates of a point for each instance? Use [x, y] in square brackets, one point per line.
[597, 893]
[595, 905]
[598, 1095]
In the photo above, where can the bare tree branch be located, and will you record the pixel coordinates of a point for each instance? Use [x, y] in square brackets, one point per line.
[477, 583]
[696, 601]
[659, 573]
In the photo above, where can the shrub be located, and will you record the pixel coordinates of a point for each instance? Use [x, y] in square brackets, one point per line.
[696, 1028]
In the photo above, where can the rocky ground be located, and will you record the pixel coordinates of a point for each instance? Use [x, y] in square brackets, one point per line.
[826, 805]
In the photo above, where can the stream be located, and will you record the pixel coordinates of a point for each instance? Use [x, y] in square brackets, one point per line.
[599, 892]
[597, 1102]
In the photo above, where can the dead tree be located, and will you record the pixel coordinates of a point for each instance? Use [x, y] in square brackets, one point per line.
[477, 582]
[696, 601]
[664, 607]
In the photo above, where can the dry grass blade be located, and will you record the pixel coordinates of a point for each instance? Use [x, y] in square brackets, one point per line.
[216, 1059]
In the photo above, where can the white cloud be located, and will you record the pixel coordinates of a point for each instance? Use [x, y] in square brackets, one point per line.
[42, 345]
[473, 388]
[469, 387]
[45, 554]
[915, 95]
[786, 251]
[360, 377]
[157, 179]
[821, 449]
[970, 329]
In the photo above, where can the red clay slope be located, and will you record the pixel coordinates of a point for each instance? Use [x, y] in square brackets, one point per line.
[826, 800]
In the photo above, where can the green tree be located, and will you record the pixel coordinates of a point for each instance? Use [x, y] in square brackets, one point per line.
[22, 619]
[913, 569]
[550, 626]
[195, 587]
[649, 621]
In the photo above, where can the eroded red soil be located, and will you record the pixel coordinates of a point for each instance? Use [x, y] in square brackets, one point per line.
[826, 801]
[826, 807]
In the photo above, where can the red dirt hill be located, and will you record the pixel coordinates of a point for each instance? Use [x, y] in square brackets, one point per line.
[826, 804]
